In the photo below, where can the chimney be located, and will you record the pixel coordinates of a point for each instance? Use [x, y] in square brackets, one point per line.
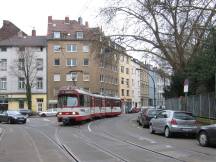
[20, 34]
[80, 20]
[67, 20]
[33, 32]
[49, 19]
[86, 24]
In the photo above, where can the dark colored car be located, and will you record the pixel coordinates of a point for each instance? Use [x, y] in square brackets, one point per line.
[146, 115]
[25, 112]
[134, 110]
[12, 117]
[206, 135]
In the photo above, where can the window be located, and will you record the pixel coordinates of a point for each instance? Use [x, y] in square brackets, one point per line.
[122, 92]
[21, 83]
[85, 62]
[71, 48]
[116, 81]
[56, 77]
[21, 48]
[127, 82]
[122, 58]
[71, 77]
[86, 77]
[56, 62]
[21, 64]
[3, 64]
[101, 78]
[3, 49]
[85, 48]
[71, 62]
[21, 104]
[102, 90]
[127, 71]
[128, 93]
[56, 35]
[122, 69]
[122, 80]
[79, 35]
[3, 83]
[39, 64]
[39, 83]
[56, 48]
[127, 60]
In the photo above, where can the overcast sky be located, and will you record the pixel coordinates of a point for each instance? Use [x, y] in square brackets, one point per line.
[27, 14]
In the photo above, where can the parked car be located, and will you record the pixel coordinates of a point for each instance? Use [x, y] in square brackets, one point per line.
[134, 110]
[206, 135]
[12, 117]
[169, 122]
[26, 112]
[49, 112]
[146, 115]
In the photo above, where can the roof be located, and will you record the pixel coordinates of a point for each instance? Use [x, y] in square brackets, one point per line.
[9, 30]
[27, 41]
[68, 30]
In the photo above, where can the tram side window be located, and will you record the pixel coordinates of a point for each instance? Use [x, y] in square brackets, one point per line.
[117, 103]
[85, 100]
[98, 102]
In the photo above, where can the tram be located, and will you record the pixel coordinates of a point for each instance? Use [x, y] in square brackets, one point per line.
[77, 105]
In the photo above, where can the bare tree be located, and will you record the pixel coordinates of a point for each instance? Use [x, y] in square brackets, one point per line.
[172, 30]
[26, 67]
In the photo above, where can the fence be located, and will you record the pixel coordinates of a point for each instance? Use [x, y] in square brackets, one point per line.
[203, 105]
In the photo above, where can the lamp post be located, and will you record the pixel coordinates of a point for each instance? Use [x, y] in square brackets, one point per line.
[153, 85]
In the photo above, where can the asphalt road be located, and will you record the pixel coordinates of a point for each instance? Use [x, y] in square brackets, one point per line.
[105, 140]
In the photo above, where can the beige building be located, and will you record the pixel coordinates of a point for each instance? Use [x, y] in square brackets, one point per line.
[125, 81]
[76, 56]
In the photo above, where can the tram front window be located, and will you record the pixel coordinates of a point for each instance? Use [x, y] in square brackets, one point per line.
[72, 101]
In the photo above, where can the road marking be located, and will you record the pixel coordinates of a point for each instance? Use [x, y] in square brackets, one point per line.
[146, 139]
[1, 133]
[168, 146]
[46, 120]
[89, 129]
[28, 120]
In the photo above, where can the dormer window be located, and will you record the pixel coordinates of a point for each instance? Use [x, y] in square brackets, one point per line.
[79, 35]
[56, 35]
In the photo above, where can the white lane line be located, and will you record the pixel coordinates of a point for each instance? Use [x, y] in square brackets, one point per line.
[46, 120]
[1, 133]
[168, 146]
[89, 129]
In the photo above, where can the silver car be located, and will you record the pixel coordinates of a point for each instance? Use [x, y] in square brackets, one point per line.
[169, 122]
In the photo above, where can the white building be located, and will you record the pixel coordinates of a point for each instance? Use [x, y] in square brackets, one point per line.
[135, 84]
[12, 89]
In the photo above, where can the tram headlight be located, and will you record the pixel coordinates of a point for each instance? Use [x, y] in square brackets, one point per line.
[73, 113]
[60, 113]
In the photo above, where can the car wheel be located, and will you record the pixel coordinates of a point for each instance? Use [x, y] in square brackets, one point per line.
[43, 115]
[152, 131]
[10, 121]
[167, 132]
[203, 139]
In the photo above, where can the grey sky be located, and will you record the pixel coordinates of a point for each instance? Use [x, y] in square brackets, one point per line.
[27, 14]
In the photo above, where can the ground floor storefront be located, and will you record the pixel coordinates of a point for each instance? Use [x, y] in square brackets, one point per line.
[19, 101]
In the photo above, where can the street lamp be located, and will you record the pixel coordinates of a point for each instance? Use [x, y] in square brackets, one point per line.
[153, 85]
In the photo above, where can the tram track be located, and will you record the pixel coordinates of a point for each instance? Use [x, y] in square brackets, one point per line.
[136, 145]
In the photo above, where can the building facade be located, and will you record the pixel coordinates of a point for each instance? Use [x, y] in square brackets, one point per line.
[135, 83]
[76, 57]
[125, 76]
[12, 80]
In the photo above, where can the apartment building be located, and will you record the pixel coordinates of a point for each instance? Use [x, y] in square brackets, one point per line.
[135, 83]
[125, 76]
[76, 57]
[12, 80]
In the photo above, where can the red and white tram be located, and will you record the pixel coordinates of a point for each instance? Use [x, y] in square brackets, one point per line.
[78, 105]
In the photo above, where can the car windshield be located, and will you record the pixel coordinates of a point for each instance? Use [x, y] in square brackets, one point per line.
[153, 112]
[13, 113]
[183, 116]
